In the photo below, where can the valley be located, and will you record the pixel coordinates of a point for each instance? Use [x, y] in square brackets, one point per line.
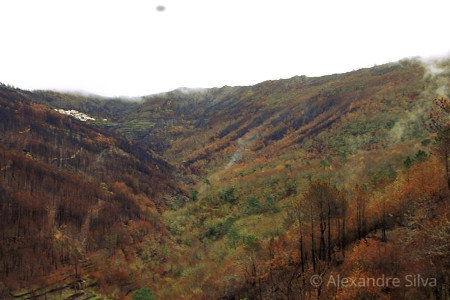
[246, 192]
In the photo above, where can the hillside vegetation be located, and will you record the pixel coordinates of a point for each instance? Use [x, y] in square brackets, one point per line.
[232, 192]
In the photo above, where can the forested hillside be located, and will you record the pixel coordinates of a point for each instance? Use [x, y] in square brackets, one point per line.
[234, 192]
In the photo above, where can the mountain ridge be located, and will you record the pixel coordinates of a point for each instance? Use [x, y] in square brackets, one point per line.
[178, 104]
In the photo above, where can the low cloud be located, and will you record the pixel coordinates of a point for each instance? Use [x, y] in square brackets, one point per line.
[437, 69]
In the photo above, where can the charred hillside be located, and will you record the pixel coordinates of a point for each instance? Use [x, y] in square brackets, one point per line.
[202, 129]
[232, 192]
[68, 189]
[205, 129]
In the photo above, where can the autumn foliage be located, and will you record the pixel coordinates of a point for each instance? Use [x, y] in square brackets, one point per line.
[229, 193]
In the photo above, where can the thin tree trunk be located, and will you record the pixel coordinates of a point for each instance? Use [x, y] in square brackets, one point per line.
[447, 169]
[329, 231]
[313, 255]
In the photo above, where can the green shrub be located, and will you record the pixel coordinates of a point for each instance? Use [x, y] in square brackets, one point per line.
[143, 294]
[228, 195]
[252, 206]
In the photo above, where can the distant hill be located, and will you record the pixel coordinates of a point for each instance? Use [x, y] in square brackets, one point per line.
[203, 127]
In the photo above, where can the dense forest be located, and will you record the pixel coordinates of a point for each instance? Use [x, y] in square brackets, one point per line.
[333, 187]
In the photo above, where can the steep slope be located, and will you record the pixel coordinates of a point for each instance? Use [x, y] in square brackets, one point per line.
[69, 189]
[276, 205]
[279, 116]
[204, 129]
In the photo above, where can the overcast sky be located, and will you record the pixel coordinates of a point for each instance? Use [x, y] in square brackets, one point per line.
[132, 48]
